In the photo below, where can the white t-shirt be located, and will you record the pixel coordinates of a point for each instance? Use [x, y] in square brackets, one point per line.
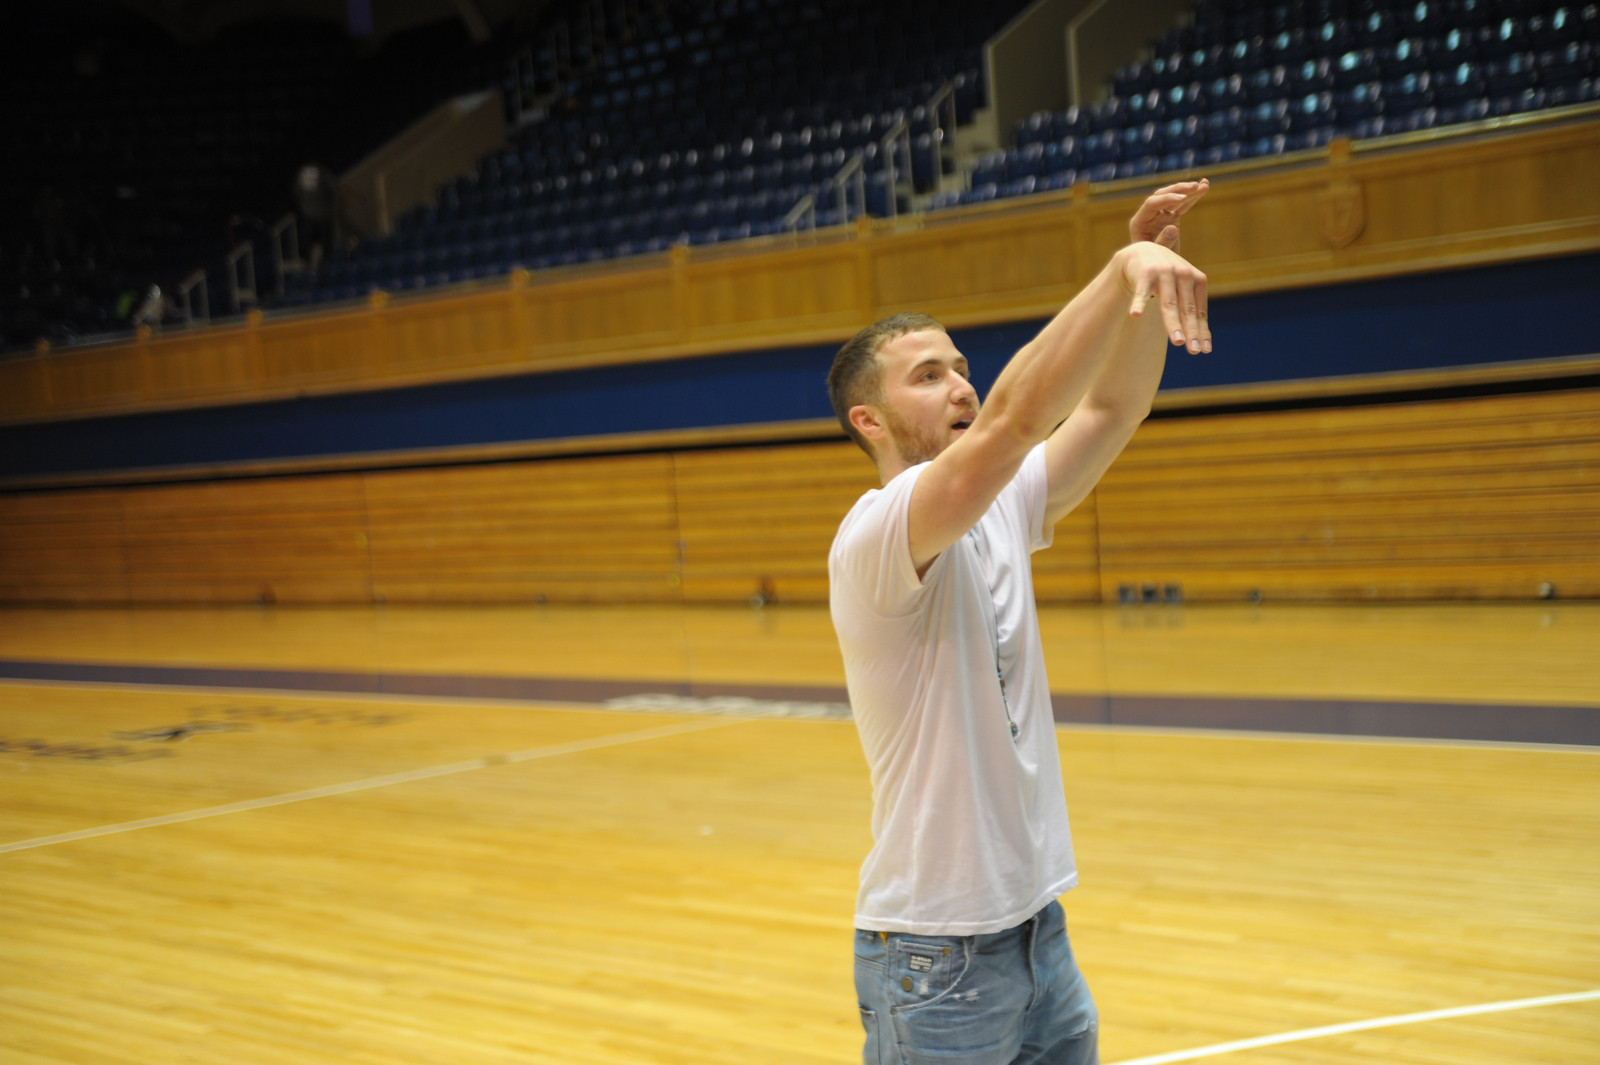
[970, 825]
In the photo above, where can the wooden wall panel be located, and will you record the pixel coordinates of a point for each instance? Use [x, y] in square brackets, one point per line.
[100, 379]
[795, 292]
[1011, 265]
[571, 317]
[321, 351]
[1479, 498]
[1355, 212]
[25, 387]
[760, 520]
[465, 333]
[201, 364]
[578, 530]
[287, 540]
[1485, 497]
[1068, 571]
[62, 547]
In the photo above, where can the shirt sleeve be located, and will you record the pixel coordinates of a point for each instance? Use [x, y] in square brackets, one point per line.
[1030, 489]
[873, 553]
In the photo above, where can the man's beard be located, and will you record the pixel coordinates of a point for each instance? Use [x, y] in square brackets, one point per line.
[914, 444]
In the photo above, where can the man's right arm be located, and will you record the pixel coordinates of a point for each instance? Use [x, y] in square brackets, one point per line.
[1041, 385]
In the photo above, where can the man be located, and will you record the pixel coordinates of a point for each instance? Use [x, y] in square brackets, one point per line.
[961, 947]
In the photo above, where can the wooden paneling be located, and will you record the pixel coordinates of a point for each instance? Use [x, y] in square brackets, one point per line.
[570, 317]
[290, 540]
[1478, 498]
[205, 364]
[760, 520]
[62, 547]
[1068, 571]
[1487, 497]
[583, 530]
[1348, 213]
[465, 333]
[790, 293]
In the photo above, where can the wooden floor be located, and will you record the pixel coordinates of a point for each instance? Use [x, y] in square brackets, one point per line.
[262, 876]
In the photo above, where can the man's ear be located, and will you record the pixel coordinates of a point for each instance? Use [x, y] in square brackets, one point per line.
[868, 423]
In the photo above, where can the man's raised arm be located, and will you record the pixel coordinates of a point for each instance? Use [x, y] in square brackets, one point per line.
[1047, 380]
[1119, 397]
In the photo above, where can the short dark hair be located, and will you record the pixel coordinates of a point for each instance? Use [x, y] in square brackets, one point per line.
[856, 377]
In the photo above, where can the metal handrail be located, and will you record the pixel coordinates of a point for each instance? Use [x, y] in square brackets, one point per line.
[806, 208]
[188, 285]
[942, 107]
[286, 262]
[242, 290]
[852, 172]
[899, 134]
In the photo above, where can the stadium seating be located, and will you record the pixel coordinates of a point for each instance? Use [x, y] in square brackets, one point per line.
[710, 127]
[1248, 79]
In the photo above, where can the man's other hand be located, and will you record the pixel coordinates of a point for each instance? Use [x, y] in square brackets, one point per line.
[1157, 218]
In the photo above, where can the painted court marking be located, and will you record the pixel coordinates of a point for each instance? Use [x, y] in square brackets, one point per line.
[370, 783]
[1362, 1026]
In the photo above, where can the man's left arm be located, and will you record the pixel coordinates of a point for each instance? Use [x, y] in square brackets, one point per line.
[1082, 448]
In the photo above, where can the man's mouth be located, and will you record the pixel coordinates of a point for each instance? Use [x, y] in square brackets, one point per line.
[964, 422]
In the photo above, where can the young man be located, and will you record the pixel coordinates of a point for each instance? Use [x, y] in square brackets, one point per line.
[961, 947]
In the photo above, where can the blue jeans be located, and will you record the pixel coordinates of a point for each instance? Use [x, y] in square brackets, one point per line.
[1009, 998]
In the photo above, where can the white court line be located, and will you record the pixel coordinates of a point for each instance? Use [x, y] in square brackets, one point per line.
[1362, 1026]
[373, 782]
[580, 707]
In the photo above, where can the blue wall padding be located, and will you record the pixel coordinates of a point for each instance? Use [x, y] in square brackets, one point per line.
[1532, 310]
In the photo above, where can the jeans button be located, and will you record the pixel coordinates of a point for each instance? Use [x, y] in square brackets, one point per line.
[905, 983]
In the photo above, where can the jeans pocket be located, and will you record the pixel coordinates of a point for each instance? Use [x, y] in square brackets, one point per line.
[922, 972]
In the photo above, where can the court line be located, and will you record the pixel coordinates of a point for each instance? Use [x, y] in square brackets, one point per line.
[575, 706]
[369, 783]
[1362, 1026]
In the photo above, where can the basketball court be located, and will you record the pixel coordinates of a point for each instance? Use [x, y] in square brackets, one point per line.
[631, 835]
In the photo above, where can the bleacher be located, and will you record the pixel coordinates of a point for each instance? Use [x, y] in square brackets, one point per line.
[1248, 80]
[699, 122]
[712, 125]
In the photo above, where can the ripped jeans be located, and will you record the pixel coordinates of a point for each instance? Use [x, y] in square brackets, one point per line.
[1008, 998]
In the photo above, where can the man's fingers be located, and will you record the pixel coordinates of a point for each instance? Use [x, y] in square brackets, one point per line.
[1141, 296]
[1202, 311]
[1168, 238]
[1188, 305]
[1169, 305]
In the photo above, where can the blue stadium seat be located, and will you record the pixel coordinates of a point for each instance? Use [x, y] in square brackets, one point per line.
[1361, 102]
[990, 169]
[1023, 186]
[1101, 148]
[1459, 85]
[1566, 66]
[1140, 141]
[1224, 92]
[1268, 83]
[983, 193]
[1060, 179]
[1218, 154]
[1224, 126]
[1270, 119]
[1027, 161]
[1183, 134]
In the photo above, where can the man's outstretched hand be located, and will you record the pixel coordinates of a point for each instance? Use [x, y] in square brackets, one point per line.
[1153, 272]
[1157, 218]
